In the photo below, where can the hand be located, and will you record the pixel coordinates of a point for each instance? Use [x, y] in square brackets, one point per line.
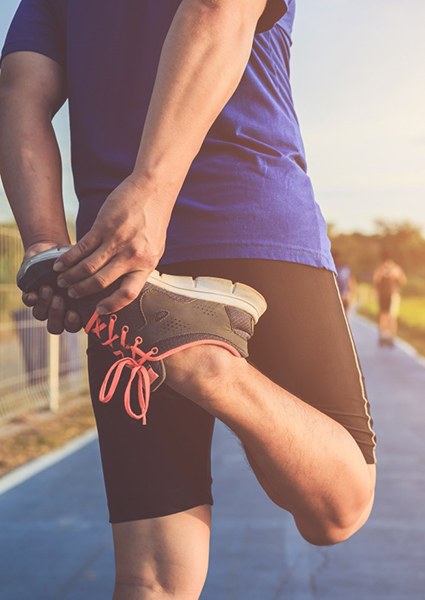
[49, 306]
[126, 240]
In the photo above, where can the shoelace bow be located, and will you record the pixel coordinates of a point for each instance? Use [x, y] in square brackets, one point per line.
[135, 362]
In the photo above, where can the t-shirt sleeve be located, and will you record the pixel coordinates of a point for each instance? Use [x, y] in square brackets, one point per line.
[275, 9]
[37, 27]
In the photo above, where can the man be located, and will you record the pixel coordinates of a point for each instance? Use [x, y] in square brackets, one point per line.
[346, 281]
[388, 278]
[187, 158]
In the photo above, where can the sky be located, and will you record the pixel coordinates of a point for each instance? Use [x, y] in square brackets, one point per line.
[359, 90]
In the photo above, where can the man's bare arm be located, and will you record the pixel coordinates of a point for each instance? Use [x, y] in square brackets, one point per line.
[203, 59]
[31, 92]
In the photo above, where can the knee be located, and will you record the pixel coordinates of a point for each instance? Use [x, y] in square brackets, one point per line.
[326, 535]
[331, 531]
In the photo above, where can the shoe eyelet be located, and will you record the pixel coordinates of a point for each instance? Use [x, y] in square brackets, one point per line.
[124, 328]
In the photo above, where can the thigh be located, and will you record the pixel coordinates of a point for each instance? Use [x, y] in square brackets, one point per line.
[303, 342]
[395, 304]
[384, 301]
[156, 469]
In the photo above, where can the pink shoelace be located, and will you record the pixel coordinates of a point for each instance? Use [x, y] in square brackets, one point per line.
[135, 362]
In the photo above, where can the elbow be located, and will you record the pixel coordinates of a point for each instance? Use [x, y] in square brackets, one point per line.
[16, 104]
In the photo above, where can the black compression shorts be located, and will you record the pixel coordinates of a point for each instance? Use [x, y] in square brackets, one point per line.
[384, 301]
[302, 342]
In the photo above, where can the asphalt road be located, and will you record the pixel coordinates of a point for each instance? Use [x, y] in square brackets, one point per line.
[55, 540]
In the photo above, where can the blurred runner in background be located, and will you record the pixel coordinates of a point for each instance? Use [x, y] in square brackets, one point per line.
[345, 280]
[387, 280]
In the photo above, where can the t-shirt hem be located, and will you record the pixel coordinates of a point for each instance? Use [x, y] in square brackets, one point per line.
[29, 46]
[294, 254]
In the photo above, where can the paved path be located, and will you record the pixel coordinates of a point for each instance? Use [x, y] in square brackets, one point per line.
[55, 543]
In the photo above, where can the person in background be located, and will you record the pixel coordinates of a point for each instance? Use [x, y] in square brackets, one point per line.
[388, 278]
[345, 280]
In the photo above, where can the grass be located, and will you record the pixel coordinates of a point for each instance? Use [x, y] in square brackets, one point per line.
[411, 322]
[29, 437]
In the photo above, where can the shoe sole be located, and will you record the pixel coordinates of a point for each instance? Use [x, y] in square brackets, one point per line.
[211, 289]
[47, 255]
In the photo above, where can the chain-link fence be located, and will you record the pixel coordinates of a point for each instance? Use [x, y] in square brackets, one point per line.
[37, 370]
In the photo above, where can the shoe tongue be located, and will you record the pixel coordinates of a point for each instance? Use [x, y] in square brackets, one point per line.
[158, 369]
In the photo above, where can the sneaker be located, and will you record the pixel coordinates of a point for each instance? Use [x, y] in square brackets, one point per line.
[386, 340]
[171, 313]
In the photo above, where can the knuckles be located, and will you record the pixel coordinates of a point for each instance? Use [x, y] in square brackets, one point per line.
[89, 268]
[127, 294]
[139, 256]
[100, 281]
[84, 246]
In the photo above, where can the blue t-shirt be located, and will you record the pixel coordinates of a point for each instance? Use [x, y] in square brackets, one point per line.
[247, 193]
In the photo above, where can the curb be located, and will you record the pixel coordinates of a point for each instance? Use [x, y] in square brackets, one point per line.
[25, 472]
[399, 343]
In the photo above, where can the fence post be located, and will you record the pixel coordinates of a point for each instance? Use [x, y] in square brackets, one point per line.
[53, 345]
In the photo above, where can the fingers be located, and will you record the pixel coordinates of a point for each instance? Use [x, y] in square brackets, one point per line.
[99, 280]
[86, 246]
[41, 307]
[72, 322]
[30, 298]
[51, 308]
[128, 291]
[91, 275]
[56, 315]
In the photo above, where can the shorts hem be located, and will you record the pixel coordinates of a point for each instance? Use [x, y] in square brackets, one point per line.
[154, 514]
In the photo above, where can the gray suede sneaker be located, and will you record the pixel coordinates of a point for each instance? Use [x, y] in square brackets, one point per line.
[171, 313]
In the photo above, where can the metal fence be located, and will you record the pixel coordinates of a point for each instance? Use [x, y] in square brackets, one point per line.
[37, 370]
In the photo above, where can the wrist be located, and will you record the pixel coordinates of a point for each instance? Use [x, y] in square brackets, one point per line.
[158, 183]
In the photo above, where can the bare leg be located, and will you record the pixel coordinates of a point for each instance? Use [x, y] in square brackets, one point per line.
[162, 558]
[384, 324]
[382, 319]
[393, 326]
[306, 462]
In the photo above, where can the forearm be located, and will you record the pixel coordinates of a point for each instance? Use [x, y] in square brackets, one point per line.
[202, 61]
[31, 171]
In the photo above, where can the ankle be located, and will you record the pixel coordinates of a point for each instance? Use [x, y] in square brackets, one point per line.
[199, 369]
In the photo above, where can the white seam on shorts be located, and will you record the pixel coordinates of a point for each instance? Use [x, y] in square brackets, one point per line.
[359, 371]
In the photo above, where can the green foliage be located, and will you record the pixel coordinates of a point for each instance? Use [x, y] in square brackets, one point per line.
[11, 253]
[403, 242]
